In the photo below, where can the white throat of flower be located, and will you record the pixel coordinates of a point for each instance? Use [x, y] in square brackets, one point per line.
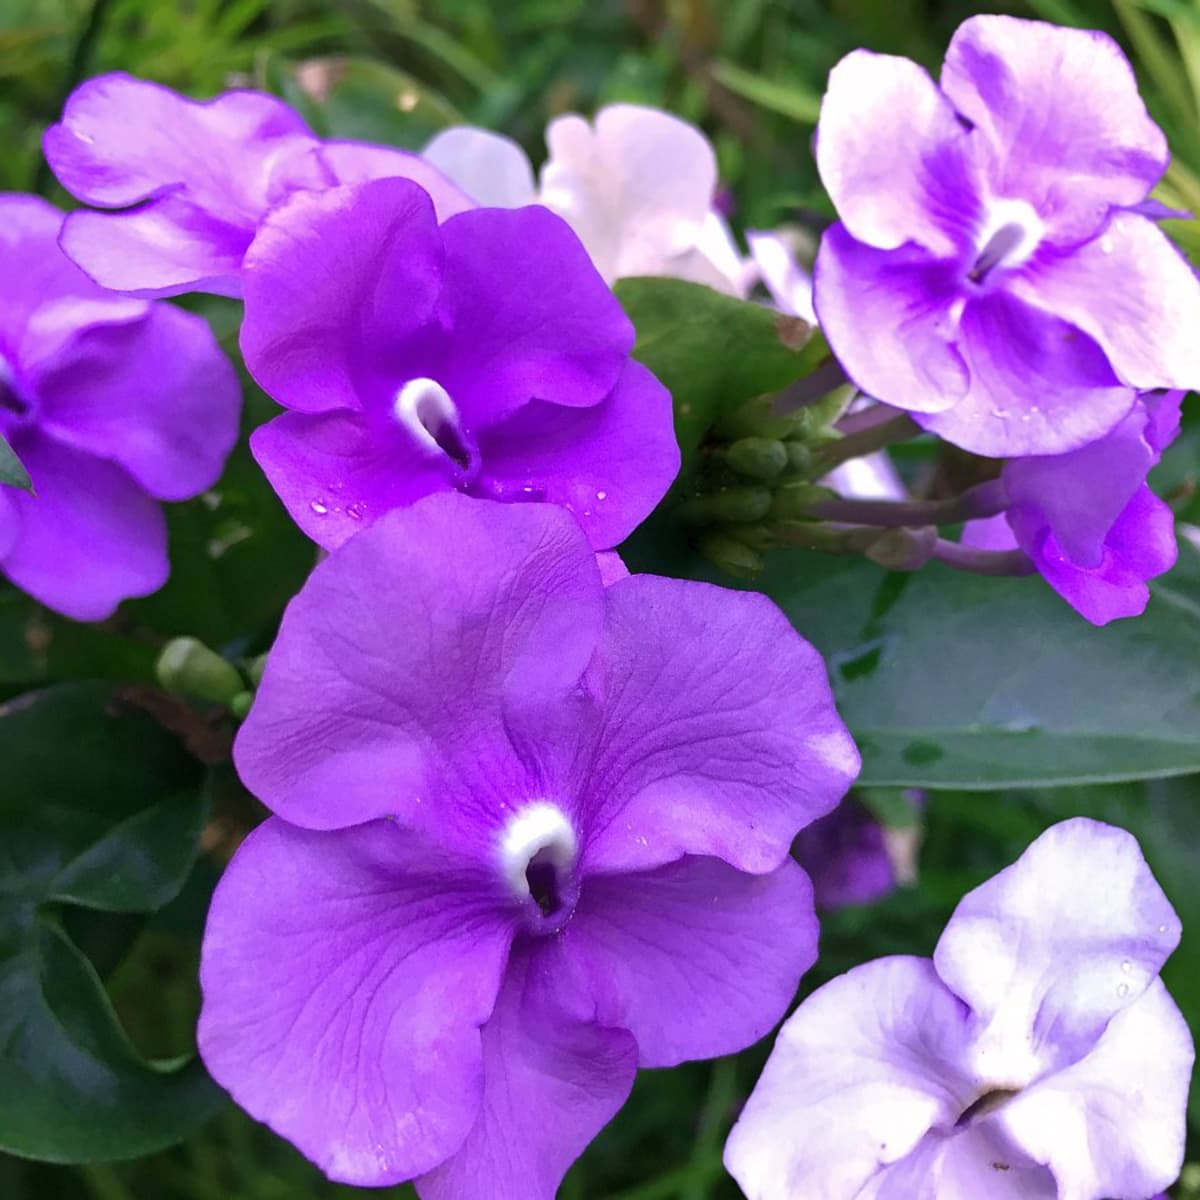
[539, 831]
[1009, 237]
[424, 408]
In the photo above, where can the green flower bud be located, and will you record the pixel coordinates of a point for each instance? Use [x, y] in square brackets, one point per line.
[240, 704]
[187, 666]
[799, 457]
[740, 505]
[757, 457]
[793, 501]
[731, 555]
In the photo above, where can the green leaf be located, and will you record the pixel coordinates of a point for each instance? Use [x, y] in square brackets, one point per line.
[800, 104]
[712, 352]
[955, 681]
[12, 470]
[100, 809]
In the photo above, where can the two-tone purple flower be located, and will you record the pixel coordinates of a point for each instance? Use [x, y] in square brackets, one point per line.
[484, 355]
[1093, 528]
[112, 404]
[1037, 1055]
[530, 834]
[994, 270]
[189, 182]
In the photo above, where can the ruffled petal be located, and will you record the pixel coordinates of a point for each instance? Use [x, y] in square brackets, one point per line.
[1114, 1124]
[859, 1074]
[1133, 292]
[894, 158]
[553, 1078]
[887, 317]
[412, 660]
[90, 537]
[718, 733]
[1048, 951]
[491, 168]
[336, 473]
[345, 977]
[334, 283]
[610, 464]
[157, 396]
[1038, 385]
[529, 317]
[360, 162]
[1060, 112]
[694, 937]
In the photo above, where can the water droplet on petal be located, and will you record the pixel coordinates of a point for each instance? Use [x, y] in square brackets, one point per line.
[337, 486]
[319, 507]
[1123, 990]
[601, 495]
[356, 511]
[1127, 966]
[1000, 412]
[1162, 929]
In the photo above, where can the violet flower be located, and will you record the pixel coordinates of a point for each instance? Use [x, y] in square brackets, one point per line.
[846, 856]
[1093, 528]
[638, 185]
[1037, 1055]
[531, 834]
[992, 271]
[111, 404]
[485, 356]
[191, 181]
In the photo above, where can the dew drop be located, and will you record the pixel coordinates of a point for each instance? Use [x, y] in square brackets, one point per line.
[1162, 929]
[1000, 412]
[1127, 966]
[337, 486]
[1123, 990]
[319, 507]
[355, 511]
[1106, 245]
[601, 495]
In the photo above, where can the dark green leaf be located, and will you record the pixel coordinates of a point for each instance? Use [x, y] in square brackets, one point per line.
[101, 809]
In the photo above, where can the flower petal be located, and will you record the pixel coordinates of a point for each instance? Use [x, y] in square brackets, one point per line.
[859, 1074]
[491, 168]
[790, 286]
[1060, 112]
[1038, 385]
[89, 538]
[846, 856]
[694, 937]
[718, 731]
[1114, 1124]
[1133, 292]
[336, 474]
[610, 464]
[553, 1078]
[157, 396]
[1048, 951]
[530, 317]
[894, 156]
[412, 659]
[360, 162]
[887, 317]
[334, 282]
[345, 977]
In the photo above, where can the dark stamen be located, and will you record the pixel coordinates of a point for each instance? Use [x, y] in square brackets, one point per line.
[542, 877]
[11, 400]
[1000, 245]
[987, 1103]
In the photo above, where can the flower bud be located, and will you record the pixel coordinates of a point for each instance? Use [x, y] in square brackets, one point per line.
[757, 457]
[740, 505]
[731, 555]
[188, 667]
[794, 500]
[904, 549]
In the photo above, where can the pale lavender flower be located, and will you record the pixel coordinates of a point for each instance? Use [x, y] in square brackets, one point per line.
[531, 834]
[112, 404]
[1093, 528]
[993, 271]
[191, 181]
[485, 355]
[1036, 1056]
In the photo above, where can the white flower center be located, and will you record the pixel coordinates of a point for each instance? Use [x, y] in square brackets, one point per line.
[1011, 234]
[540, 835]
[425, 409]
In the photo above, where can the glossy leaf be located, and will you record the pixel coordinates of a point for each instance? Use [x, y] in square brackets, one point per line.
[100, 808]
[12, 470]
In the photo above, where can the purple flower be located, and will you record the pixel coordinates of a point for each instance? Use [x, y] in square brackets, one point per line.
[486, 355]
[111, 403]
[531, 834]
[846, 855]
[992, 272]
[1092, 526]
[192, 180]
[1036, 1056]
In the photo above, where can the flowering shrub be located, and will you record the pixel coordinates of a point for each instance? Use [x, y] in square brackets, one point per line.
[567, 572]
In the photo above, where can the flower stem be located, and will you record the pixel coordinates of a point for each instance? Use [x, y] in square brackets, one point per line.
[984, 500]
[864, 437]
[983, 562]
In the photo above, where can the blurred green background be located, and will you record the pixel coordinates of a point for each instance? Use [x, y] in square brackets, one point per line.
[750, 72]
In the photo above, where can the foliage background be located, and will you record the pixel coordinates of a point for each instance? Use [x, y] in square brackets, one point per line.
[959, 685]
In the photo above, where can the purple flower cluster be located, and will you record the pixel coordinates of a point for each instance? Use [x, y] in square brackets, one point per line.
[532, 818]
